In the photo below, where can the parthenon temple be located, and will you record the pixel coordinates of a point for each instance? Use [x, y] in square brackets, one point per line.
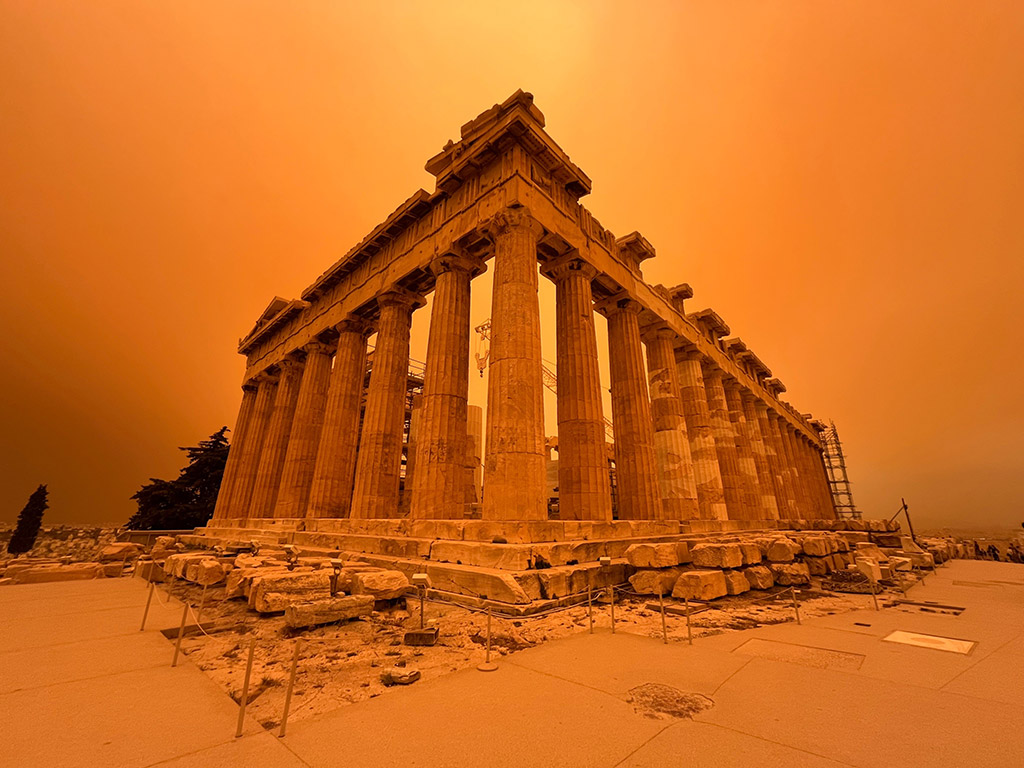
[339, 444]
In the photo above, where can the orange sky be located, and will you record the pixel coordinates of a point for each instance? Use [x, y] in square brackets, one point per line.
[842, 181]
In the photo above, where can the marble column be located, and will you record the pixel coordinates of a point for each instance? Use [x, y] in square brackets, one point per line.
[304, 441]
[243, 423]
[439, 480]
[725, 443]
[379, 463]
[275, 444]
[768, 485]
[584, 491]
[828, 501]
[252, 447]
[331, 489]
[803, 502]
[710, 492]
[636, 471]
[786, 471]
[676, 474]
[515, 472]
[753, 509]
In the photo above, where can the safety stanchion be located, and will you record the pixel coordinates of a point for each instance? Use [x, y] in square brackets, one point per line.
[590, 608]
[664, 626]
[291, 687]
[149, 599]
[796, 605]
[612, 588]
[874, 592]
[181, 632]
[689, 631]
[202, 602]
[488, 665]
[245, 689]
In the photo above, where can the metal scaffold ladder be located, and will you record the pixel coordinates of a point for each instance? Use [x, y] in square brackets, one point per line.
[838, 479]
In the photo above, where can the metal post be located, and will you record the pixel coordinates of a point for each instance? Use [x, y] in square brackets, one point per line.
[796, 605]
[245, 688]
[488, 665]
[124, 562]
[612, 588]
[202, 602]
[689, 632]
[590, 608]
[149, 599]
[664, 627]
[291, 687]
[874, 596]
[423, 597]
[181, 631]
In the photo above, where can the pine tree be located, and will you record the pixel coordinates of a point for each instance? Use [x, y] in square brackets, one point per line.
[188, 500]
[31, 517]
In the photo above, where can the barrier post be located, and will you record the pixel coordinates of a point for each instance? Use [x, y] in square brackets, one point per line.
[488, 665]
[245, 688]
[689, 632]
[796, 605]
[149, 599]
[874, 596]
[664, 627]
[612, 588]
[181, 631]
[291, 687]
[202, 602]
[590, 608]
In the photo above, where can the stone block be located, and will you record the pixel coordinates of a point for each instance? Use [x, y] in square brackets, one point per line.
[654, 582]
[818, 566]
[751, 553]
[120, 551]
[328, 610]
[209, 571]
[736, 583]
[759, 577]
[381, 585]
[113, 570]
[868, 549]
[47, 573]
[790, 574]
[700, 585]
[782, 551]
[150, 571]
[653, 555]
[816, 546]
[274, 592]
[717, 555]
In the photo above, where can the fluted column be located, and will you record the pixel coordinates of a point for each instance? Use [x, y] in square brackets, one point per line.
[331, 489]
[753, 509]
[275, 445]
[439, 480]
[231, 469]
[710, 492]
[515, 472]
[786, 471]
[676, 473]
[803, 504]
[766, 481]
[379, 463]
[636, 471]
[252, 446]
[304, 441]
[822, 474]
[725, 443]
[584, 491]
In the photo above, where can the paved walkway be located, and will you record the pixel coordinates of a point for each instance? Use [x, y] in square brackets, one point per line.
[81, 686]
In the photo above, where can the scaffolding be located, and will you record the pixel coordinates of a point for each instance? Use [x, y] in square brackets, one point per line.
[838, 479]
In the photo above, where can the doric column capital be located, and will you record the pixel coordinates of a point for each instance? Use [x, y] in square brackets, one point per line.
[657, 332]
[399, 297]
[251, 385]
[289, 364]
[689, 353]
[511, 219]
[566, 266]
[318, 347]
[353, 324]
[457, 261]
[265, 377]
[620, 302]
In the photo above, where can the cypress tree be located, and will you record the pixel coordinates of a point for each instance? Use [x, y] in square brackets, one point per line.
[31, 517]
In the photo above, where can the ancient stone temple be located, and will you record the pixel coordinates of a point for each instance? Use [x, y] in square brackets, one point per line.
[329, 452]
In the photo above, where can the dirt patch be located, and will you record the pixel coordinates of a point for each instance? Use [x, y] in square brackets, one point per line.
[663, 702]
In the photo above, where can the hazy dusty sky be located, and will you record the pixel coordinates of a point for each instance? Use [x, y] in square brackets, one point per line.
[842, 181]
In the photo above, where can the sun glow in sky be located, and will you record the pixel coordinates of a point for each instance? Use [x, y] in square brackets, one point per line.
[842, 181]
